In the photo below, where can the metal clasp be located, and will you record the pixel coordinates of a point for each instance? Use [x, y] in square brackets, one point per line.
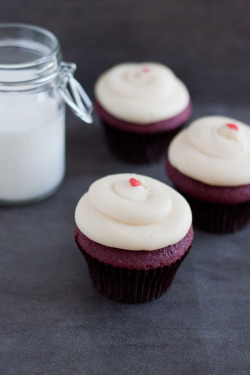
[73, 93]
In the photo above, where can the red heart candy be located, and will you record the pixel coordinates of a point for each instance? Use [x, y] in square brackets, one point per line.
[134, 182]
[233, 126]
[146, 70]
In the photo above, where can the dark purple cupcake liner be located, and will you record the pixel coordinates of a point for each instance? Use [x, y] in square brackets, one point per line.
[130, 286]
[141, 144]
[219, 218]
[137, 147]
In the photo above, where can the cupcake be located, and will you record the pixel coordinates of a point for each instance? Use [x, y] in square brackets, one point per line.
[209, 163]
[142, 106]
[134, 233]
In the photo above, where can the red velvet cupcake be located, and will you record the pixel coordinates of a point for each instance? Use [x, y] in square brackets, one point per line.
[209, 163]
[134, 233]
[142, 107]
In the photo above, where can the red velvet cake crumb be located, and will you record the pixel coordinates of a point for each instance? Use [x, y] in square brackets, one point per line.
[135, 259]
[205, 192]
[155, 127]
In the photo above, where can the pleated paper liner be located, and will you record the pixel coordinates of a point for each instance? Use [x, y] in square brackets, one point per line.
[219, 218]
[140, 144]
[131, 286]
[136, 147]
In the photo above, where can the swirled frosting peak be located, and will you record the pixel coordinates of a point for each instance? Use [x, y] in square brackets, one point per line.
[141, 93]
[146, 216]
[214, 150]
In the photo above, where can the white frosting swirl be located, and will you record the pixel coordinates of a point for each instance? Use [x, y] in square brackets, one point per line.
[214, 150]
[141, 93]
[146, 217]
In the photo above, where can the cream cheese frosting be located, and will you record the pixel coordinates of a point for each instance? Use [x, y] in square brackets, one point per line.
[141, 93]
[147, 216]
[214, 150]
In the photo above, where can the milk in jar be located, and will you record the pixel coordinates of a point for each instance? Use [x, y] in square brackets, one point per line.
[32, 146]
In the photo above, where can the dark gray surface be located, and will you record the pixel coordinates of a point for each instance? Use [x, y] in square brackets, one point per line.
[52, 320]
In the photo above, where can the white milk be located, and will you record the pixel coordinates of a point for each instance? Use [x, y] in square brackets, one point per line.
[32, 146]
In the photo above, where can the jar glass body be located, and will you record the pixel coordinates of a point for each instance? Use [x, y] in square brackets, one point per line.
[32, 145]
[32, 115]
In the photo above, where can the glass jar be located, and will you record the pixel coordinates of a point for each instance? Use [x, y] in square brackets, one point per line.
[34, 85]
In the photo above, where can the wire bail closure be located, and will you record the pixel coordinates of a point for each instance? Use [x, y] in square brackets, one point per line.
[73, 93]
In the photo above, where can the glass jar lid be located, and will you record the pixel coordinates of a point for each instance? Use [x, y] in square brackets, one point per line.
[30, 58]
